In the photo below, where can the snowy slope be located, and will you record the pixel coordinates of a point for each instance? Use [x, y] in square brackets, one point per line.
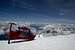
[66, 42]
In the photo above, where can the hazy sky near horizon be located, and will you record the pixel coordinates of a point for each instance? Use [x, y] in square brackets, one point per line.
[38, 10]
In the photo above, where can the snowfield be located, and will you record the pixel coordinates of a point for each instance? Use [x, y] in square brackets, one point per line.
[61, 42]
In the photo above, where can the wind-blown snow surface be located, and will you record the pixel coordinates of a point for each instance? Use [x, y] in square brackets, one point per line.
[65, 42]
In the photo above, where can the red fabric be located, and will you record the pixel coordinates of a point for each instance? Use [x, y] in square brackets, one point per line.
[16, 35]
[13, 35]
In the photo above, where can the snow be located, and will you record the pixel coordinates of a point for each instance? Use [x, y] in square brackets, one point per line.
[59, 42]
[65, 42]
[1, 31]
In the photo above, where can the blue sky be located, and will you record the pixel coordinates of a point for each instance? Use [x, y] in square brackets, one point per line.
[38, 10]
